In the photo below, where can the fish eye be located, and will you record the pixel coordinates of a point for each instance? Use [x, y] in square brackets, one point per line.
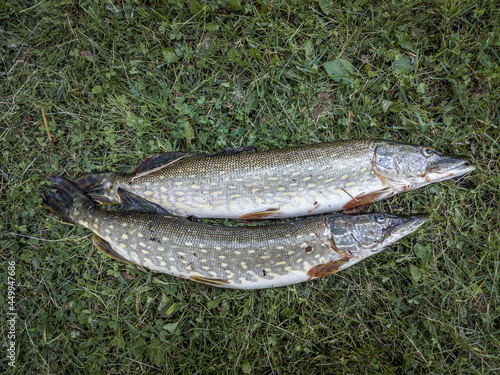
[380, 218]
[427, 151]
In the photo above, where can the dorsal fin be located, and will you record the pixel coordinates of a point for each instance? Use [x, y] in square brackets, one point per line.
[156, 161]
[133, 202]
[233, 151]
[106, 248]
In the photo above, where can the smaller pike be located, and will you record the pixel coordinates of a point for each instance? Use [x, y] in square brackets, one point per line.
[230, 257]
[289, 182]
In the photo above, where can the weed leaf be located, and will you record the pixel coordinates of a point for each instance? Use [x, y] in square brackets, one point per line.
[326, 6]
[339, 69]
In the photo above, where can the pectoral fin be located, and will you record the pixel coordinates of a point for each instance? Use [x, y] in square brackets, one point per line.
[362, 200]
[209, 280]
[105, 247]
[261, 215]
[326, 269]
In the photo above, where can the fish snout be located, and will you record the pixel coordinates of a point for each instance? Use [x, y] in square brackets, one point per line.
[403, 225]
[456, 165]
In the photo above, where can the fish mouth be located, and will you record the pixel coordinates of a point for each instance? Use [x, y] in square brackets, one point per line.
[404, 225]
[413, 222]
[452, 166]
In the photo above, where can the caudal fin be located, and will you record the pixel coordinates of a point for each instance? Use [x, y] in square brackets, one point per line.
[65, 199]
[100, 187]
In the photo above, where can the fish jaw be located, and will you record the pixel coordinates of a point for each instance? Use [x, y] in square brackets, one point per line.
[402, 226]
[450, 167]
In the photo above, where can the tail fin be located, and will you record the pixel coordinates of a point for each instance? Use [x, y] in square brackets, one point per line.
[100, 187]
[67, 201]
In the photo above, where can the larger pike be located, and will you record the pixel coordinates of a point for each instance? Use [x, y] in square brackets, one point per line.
[230, 257]
[296, 181]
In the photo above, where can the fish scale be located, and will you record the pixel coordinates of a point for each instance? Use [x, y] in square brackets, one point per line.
[290, 182]
[197, 249]
[250, 257]
[230, 186]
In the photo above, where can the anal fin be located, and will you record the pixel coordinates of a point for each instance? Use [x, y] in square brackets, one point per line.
[134, 202]
[256, 216]
[209, 280]
[105, 247]
[362, 200]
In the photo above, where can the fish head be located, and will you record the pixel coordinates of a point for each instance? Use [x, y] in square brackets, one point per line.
[364, 235]
[408, 167]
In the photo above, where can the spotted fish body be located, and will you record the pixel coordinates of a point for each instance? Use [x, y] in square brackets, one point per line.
[297, 181]
[231, 257]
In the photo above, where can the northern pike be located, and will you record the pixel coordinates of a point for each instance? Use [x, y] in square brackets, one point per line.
[283, 183]
[251, 257]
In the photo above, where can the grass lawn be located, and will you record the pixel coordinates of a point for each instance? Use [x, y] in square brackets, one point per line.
[88, 86]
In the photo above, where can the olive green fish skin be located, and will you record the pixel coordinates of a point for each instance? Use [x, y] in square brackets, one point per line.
[297, 181]
[235, 257]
